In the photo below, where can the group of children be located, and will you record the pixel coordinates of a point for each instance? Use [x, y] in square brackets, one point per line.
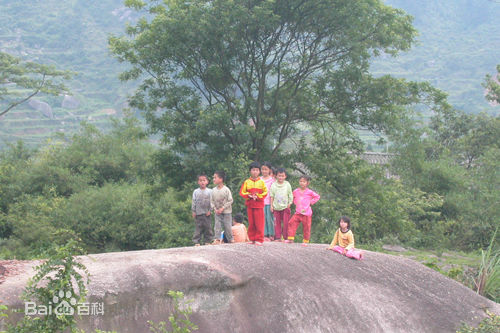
[268, 199]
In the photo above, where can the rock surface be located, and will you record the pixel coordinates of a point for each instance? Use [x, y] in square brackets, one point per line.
[394, 248]
[274, 288]
[44, 108]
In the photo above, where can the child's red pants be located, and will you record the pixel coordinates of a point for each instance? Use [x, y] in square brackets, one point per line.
[256, 224]
[293, 224]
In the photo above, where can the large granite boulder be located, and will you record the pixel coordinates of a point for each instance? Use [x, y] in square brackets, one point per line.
[275, 288]
[44, 108]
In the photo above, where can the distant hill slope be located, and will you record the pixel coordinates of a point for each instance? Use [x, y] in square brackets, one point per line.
[459, 44]
[71, 35]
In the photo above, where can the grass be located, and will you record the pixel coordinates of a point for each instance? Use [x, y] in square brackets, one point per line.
[487, 282]
[479, 271]
[443, 262]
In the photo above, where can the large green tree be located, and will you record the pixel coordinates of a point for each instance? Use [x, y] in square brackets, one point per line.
[21, 80]
[239, 78]
[456, 157]
[492, 86]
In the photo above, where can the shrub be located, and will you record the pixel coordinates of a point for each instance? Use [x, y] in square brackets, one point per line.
[491, 324]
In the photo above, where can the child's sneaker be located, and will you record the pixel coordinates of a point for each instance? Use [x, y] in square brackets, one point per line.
[288, 241]
[251, 242]
[304, 244]
[258, 243]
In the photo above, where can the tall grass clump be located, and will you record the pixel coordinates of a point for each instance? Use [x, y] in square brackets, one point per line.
[487, 282]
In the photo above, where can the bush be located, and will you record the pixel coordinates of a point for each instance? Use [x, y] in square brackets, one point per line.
[115, 217]
[491, 324]
[32, 229]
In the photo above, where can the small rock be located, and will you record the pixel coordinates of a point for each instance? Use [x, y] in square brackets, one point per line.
[394, 248]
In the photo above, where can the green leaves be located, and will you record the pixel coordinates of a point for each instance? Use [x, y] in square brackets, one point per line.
[492, 86]
[490, 324]
[456, 158]
[47, 195]
[135, 4]
[236, 76]
[178, 319]
[61, 272]
[17, 76]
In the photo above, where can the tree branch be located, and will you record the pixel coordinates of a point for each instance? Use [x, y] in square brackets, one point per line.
[13, 105]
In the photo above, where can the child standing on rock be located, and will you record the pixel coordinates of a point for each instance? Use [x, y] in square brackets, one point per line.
[200, 209]
[221, 202]
[267, 177]
[343, 241]
[303, 198]
[281, 200]
[254, 191]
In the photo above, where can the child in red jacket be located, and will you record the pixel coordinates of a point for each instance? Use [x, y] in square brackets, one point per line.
[254, 191]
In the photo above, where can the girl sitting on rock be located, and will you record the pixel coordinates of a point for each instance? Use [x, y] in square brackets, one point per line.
[345, 240]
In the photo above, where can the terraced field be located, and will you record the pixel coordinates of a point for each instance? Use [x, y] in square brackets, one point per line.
[34, 128]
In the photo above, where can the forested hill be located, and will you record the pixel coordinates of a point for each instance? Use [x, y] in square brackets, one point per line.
[71, 35]
[459, 43]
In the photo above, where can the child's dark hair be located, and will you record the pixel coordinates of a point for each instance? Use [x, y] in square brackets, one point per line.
[238, 218]
[267, 164]
[347, 220]
[306, 177]
[254, 165]
[202, 175]
[280, 170]
[221, 174]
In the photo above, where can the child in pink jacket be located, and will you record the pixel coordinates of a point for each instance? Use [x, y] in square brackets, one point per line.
[303, 198]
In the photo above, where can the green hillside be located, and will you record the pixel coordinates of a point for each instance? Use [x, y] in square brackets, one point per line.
[71, 35]
[459, 43]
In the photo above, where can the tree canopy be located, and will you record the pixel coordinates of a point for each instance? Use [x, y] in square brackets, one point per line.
[492, 86]
[225, 78]
[21, 80]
